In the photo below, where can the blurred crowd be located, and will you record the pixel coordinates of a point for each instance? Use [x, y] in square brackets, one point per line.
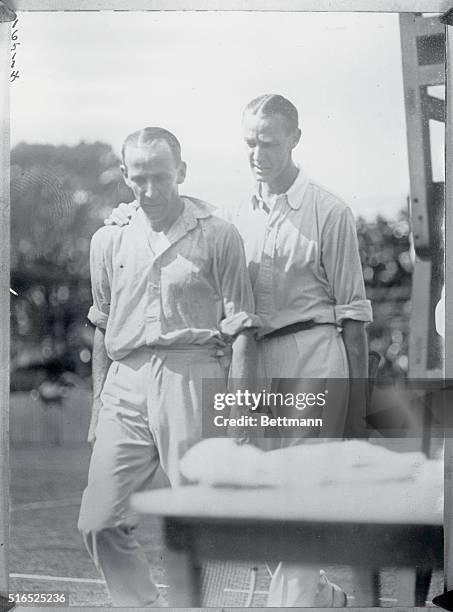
[60, 196]
[387, 261]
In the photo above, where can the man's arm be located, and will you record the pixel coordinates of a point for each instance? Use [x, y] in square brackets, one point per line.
[240, 322]
[98, 315]
[352, 310]
[244, 360]
[243, 373]
[100, 366]
[243, 376]
[356, 345]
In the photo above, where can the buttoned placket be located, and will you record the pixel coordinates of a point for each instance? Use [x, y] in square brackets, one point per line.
[153, 312]
[153, 309]
[264, 286]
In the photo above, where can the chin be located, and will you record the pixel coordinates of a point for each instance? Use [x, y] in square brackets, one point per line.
[259, 177]
[151, 212]
[153, 219]
[262, 176]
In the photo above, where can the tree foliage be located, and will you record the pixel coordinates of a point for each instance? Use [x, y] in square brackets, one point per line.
[59, 197]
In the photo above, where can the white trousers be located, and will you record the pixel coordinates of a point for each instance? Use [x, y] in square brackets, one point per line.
[297, 363]
[151, 414]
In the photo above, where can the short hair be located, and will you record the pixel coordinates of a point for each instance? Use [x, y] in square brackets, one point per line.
[274, 104]
[147, 136]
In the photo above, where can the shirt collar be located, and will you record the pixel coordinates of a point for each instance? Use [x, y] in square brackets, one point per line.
[196, 208]
[193, 210]
[293, 196]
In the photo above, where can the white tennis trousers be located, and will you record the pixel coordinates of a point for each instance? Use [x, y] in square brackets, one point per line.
[307, 361]
[151, 414]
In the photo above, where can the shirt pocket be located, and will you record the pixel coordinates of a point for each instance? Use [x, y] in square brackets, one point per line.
[188, 294]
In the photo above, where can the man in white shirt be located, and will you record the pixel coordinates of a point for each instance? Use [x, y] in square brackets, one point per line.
[170, 290]
[302, 255]
[303, 259]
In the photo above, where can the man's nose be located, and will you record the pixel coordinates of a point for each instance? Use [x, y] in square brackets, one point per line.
[148, 189]
[258, 153]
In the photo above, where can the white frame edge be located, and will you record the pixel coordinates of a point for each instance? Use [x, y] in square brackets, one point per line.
[421, 6]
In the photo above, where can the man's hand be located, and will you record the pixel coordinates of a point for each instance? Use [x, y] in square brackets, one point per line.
[121, 215]
[239, 435]
[244, 438]
[96, 409]
[100, 366]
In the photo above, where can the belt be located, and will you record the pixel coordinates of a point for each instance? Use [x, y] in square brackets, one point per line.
[293, 328]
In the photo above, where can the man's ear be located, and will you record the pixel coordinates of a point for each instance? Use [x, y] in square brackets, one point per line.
[182, 170]
[296, 138]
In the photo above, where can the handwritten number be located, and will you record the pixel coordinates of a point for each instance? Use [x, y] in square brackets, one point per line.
[14, 36]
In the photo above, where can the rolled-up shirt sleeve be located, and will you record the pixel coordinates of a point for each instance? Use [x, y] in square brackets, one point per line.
[100, 284]
[234, 281]
[341, 260]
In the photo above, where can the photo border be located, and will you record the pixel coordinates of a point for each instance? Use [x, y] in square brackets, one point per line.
[335, 6]
[378, 6]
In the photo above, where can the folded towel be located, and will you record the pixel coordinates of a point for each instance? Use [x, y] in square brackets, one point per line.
[221, 462]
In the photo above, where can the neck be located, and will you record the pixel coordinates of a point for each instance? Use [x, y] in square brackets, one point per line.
[282, 183]
[164, 225]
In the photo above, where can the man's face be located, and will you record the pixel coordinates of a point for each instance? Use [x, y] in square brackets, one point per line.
[269, 146]
[153, 175]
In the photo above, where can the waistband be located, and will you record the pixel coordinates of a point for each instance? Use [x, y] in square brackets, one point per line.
[294, 328]
[181, 349]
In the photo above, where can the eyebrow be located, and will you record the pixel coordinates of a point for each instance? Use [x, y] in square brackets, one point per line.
[159, 173]
[249, 140]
